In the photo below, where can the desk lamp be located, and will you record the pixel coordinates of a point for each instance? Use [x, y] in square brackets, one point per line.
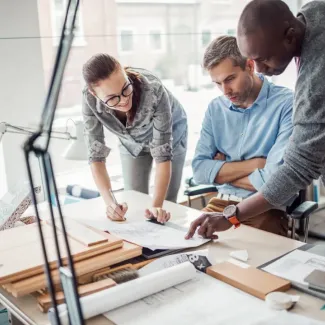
[31, 147]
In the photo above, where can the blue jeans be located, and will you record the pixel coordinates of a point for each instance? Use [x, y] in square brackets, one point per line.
[136, 171]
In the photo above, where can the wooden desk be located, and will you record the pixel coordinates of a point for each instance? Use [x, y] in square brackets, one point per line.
[261, 247]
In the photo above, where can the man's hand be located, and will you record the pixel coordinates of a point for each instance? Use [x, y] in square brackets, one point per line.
[209, 223]
[160, 214]
[259, 163]
[219, 156]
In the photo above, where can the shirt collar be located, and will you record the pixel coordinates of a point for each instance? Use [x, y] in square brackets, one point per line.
[260, 100]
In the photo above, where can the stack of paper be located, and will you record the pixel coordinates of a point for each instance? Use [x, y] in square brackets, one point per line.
[147, 234]
[296, 266]
[202, 300]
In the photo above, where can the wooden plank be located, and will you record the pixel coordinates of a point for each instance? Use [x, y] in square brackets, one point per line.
[26, 286]
[29, 280]
[80, 232]
[30, 261]
[45, 302]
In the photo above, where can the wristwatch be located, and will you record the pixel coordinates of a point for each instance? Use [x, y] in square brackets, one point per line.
[230, 213]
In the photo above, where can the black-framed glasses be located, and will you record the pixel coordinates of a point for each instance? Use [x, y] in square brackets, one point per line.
[115, 100]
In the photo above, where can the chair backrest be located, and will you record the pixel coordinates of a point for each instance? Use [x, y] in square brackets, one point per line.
[300, 199]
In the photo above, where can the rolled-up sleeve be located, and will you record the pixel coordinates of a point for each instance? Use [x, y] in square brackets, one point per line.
[275, 157]
[161, 147]
[205, 169]
[94, 135]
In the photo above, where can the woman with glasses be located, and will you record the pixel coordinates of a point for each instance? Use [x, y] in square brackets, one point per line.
[150, 124]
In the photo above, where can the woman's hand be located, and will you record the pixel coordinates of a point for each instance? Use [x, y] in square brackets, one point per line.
[160, 214]
[116, 212]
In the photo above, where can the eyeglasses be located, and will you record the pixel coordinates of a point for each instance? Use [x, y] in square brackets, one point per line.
[115, 100]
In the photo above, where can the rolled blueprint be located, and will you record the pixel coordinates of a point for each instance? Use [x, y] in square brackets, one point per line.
[120, 295]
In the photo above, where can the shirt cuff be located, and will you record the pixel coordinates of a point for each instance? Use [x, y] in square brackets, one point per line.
[256, 179]
[214, 170]
[162, 153]
[98, 151]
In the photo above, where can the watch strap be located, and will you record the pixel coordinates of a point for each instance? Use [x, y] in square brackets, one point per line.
[234, 221]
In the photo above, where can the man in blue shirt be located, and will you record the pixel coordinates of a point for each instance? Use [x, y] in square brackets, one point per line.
[244, 132]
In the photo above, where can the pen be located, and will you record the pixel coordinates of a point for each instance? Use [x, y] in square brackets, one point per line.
[115, 201]
[113, 196]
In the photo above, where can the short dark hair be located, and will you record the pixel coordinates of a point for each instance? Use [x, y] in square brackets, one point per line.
[223, 47]
[263, 14]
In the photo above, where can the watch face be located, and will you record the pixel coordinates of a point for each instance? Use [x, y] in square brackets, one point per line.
[230, 211]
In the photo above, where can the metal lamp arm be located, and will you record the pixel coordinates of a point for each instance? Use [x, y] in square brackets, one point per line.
[32, 147]
[9, 128]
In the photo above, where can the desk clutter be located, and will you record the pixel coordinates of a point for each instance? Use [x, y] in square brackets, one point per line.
[173, 287]
[21, 270]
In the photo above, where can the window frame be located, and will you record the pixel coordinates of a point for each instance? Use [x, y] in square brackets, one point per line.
[119, 39]
[79, 40]
[162, 40]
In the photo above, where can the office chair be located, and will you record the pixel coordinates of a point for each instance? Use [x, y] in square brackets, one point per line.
[298, 212]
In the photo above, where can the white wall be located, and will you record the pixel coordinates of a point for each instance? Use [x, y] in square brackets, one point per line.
[22, 90]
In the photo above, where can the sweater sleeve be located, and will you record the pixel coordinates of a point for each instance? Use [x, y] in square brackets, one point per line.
[304, 155]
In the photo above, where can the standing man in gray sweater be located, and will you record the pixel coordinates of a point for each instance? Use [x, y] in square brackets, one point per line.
[272, 36]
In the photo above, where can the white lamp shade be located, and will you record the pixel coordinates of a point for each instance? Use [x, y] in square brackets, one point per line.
[77, 149]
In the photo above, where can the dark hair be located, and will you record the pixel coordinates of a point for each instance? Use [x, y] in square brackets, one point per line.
[220, 49]
[268, 15]
[101, 66]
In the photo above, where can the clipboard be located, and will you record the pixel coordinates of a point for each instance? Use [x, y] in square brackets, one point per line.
[315, 249]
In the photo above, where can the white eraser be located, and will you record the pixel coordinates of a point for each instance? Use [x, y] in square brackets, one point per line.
[241, 255]
[238, 263]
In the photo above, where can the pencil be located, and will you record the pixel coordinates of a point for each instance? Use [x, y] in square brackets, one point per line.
[113, 196]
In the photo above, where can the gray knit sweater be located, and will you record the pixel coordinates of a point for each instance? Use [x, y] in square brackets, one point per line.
[304, 159]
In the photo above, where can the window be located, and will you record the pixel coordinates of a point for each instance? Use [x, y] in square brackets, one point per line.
[205, 38]
[231, 32]
[222, 2]
[126, 41]
[58, 13]
[155, 40]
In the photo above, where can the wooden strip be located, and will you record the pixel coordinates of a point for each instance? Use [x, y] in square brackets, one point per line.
[139, 265]
[26, 286]
[79, 232]
[31, 281]
[31, 261]
[45, 302]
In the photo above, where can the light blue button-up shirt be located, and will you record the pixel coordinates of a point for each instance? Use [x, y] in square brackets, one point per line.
[261, 130]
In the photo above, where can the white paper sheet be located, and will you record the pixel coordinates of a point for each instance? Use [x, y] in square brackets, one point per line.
[296, 266]
[120, 295]
[148, 234]
[203, 300]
